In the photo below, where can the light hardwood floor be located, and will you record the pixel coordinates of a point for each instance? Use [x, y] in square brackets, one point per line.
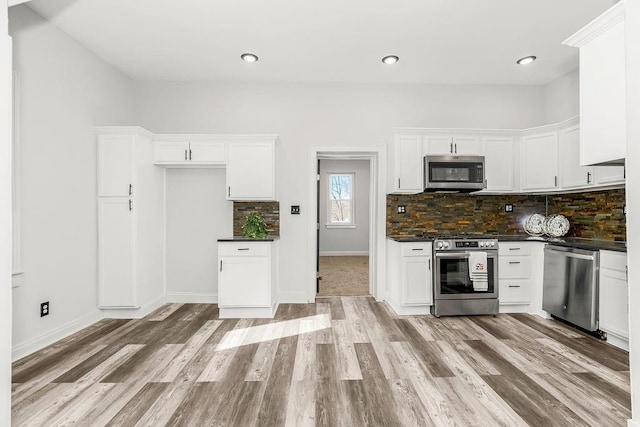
[341, 361]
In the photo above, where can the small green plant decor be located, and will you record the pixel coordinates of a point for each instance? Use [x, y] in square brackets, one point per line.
[254, 226]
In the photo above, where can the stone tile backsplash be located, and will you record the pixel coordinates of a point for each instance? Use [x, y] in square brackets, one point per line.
[596, 214]
[270, 212]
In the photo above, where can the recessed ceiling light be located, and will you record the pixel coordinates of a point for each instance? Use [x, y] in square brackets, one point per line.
[390, 59]
[526, 60]
[249, 57]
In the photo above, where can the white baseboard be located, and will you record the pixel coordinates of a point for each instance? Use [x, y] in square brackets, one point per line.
[292, 297]
[18, 351]
[133, 313]
[344, 253]
[192, 298]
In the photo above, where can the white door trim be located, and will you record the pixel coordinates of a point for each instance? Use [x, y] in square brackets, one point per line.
[377, 213]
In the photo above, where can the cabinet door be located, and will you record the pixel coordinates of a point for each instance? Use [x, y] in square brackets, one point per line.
[572, 175]
[244, 282]
[614, 302]
[466, 145]
[603, 97]
[207, 152]
[116, 242]
[514, 291]
[439, 144]
[610, 175]
[171, 152]
[417, 280]
[408, 164]
[115, 165]
[250, 171]
[498, 160]
[539, 162]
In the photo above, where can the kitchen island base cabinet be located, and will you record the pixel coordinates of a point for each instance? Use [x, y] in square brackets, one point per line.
[247, 279]
[409, 277]
[614, 298]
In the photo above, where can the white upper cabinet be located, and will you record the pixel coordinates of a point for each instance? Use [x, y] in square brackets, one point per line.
[406, 173]
[115, 165]
[251, 169]
[498, 163]
[454, 145]
[189, 150]
[572, 174]
[602, 87]
[610, 175]
[539, 162]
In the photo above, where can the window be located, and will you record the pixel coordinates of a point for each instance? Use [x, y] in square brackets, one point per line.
[341, 204]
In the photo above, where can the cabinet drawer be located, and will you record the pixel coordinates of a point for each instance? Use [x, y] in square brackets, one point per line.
[513, 248]
[613, 260]
[244, 249]
[514, 267]
[514, 292]
[416, 249]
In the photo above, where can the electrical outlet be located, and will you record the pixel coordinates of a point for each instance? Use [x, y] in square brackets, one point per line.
[44, 309]
[295, 209]
[508, 208]
[402, 209]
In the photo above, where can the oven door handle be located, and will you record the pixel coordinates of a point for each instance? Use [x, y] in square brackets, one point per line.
[452, 254]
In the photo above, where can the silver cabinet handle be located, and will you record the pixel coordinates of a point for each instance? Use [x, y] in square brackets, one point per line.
[455, 148]
[229, 192]
[514, 286]
[555, 181]
[244, 249]
[185, 154]
[130, 189]
[417, 249]
[189, 151]
[588, 177]
[130, 205]
[514, 249]
[220, 265]
[399, 183]
[514, 262]
[429, 264]
[451, 146]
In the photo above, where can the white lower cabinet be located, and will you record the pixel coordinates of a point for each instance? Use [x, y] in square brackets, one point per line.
[409, 276]
[514, 273]
[614, 298]
[247, 279]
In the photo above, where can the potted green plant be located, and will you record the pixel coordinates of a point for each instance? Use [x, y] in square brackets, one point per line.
[254, 226]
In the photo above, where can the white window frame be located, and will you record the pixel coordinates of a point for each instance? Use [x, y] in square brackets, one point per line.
[352, 223]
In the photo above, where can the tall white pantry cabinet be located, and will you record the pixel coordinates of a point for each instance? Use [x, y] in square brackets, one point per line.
[130, 219]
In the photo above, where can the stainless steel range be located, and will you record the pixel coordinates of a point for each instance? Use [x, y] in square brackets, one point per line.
[465, 280]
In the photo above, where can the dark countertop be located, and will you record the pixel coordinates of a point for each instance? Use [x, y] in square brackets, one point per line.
[574, 242]
[247, 239]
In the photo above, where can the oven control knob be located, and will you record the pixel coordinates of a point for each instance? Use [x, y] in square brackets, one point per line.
[445, 245]
[493, 244]
[482, 244]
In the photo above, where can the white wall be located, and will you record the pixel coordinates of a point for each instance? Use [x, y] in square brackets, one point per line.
[5, 219]
[632, 29]
[197, 214]
[562, 97]
[312, 115]
[65, 91]
[345, 240]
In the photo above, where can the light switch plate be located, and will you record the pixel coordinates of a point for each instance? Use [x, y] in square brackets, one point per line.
[295, 209]
[402, 209]
[508, 207]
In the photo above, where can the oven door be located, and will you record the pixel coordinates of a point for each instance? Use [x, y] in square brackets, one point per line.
[452, 279]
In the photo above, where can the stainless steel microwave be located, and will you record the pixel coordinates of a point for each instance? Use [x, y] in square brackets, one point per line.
[454, 173]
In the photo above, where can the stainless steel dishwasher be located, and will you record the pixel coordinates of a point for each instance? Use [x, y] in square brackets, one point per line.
[570, 285]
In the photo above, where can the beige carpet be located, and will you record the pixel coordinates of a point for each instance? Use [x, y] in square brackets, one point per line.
[344, 275]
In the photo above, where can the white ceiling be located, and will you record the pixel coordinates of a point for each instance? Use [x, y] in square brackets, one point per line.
[438, 41]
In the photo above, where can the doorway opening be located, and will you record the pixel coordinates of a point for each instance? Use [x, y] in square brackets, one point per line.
[343, 217]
